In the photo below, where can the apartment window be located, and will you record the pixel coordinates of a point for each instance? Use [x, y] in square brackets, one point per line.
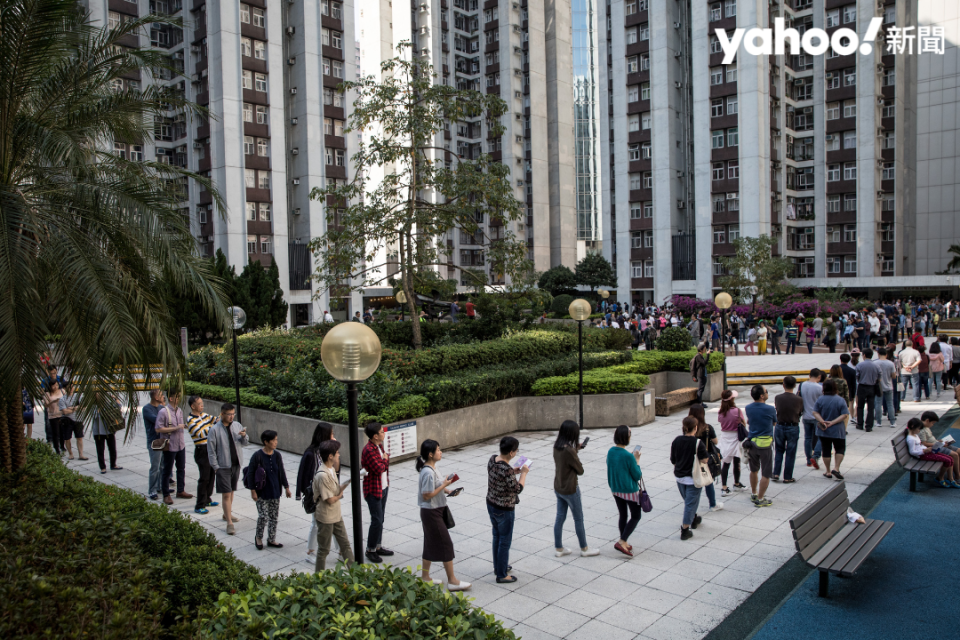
[889, 109]
[719, 235]
[890, 16]
[849, 13]
[252, 211]
[719, 203]
[631, 7]
[202, 215]
[849, 233]
[648, 239]
[833, 18]
[248, 79]
[850, 77]
[716, 75]
[645, 91]
[732, 72]
[247, 112]
[833, 142]
[248, 145]
[260, 82]
[266, 244]
[850, 202]
[733, 202]
[250, 179]
[733, 232]
[633, 122]
[259, 18]
[716, 138]
[888, 171]
[733, 106]
[246, 48]
[633, 93]
[337, 68]
[263, 180]
[645, 120]
[261, 114]
[113, 20]
[636, 269]
[832, 80]
[850, 139]
[259, 50]
[849, 108]
[889, 140]
[730, 8]
[833, 265]
[245, 13]
[715, 45]
[833, 111]
[251, 244]
[633, 152]
[849, 170]
[340, 157]
[636, 210]
[889, 77]
[632, 35]
[716, 12]
[805, 178]
[850, 264]
[647, 180]
[733, 137]
[833, 204]
[889, 203]
[635, 181]
[717, 267]
[632, 64]
[833, 234]
[493, 79]
[886, 232]
[265, 211]
[263, 147]
[636, 239]
[648, 267]
[833, 172]
[716, 107]
[644, 62]
[733, 169]
[718, 172]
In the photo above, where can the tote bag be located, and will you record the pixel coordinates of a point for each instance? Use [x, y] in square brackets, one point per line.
[701, 473]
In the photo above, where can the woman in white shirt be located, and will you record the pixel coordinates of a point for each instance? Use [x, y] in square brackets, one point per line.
[946, 478]
[432, 499]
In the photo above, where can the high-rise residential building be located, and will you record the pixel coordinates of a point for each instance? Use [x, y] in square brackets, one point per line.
[268, 74]
[588, 22]
[816, 151]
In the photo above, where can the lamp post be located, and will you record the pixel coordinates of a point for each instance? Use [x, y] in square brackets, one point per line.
[401, 298]
[580, 310]
[351, 353]
[723, 302]
[239, 319]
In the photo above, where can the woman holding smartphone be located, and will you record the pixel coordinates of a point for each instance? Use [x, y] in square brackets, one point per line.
[565, 485]
[623, 476]
[432, 498]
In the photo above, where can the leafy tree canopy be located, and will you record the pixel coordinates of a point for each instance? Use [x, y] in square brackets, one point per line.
[557, 280]
[596, 271]
[753, 273]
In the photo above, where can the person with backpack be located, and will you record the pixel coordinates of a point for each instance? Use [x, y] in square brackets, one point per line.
[310, 463]
[708, 436]
[264, 477]
[225, 441]
[328, 492]
[685, 452]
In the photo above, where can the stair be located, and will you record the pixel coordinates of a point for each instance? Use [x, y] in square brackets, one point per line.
[764, 377]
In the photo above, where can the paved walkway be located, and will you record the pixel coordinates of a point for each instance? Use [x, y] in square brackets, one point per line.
[671, 589]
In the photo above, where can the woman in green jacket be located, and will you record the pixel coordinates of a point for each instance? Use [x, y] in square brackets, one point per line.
[623, 474]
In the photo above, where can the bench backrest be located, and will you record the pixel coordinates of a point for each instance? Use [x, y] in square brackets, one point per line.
[900, 450]
[817, 523]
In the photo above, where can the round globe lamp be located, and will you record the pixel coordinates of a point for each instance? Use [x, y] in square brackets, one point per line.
[238, 318]
[580, 310]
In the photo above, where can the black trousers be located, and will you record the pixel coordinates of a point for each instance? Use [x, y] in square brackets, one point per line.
[701, 386]
[207, 476]
[865, 395]
[111, 443]
[169, 459]
[627, 526]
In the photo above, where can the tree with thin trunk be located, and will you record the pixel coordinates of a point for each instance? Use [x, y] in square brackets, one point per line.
[753, 273]
[406, 219]
[92, 240]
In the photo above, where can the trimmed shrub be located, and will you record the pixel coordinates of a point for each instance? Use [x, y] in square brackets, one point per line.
[409, 407]
[360, 603]
[248, 397]
[606, 380]
[653, 361]
[561, 304]
[674, 339]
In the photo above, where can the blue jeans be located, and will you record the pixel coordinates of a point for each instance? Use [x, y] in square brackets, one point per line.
[924, 386]
[785, 440]
[502, 521]
[885, 402]
[811, 443]
[377, 508]
[711, 495]
[153, 479]
[573, 502]
[937, 376]
[908, 379]
[791, 345]
[691, 499]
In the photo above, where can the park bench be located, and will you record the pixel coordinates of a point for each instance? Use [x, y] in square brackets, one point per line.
[828, 542]
[915, 466]
[671, 400]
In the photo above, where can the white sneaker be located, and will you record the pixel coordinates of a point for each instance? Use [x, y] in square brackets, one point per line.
[311, 558]
[588, 553]
[463, 586]
[563, 552]
[717, 507]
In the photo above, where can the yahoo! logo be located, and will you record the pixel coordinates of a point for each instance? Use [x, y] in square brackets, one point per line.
[815, 42]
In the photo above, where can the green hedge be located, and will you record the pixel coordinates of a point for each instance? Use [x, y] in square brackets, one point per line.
[84, 559]
[674, 339]
[365, 602]
[248, 397]
[653, 361]
[606, 380]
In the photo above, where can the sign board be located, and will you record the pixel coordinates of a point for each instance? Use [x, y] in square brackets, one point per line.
[183, 341]
[647, 399]
[401, 439]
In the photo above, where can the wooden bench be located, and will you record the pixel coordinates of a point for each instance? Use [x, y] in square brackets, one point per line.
[828, 542]
[915, 466]
[671, 400]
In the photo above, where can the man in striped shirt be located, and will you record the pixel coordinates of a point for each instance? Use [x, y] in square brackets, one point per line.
[198, 424]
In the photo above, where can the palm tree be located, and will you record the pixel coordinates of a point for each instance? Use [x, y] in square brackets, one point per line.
[955, 260]
[90, 239]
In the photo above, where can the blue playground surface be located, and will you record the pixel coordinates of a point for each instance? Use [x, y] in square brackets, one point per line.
[903, 590]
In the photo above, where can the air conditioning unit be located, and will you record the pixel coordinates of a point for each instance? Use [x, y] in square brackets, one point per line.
[517, 94]
[295, 151]
[879, 258]
[517, 72]
[879, 195]
[195, 78]
[808, 109]
[296, 181]
[681, 204]
[196, 145]
[293, 91]
[880, 69]
[879, 132]
[425, 52]
[194, 48]
[798, 83]
[679, 174]
[778, 198]
[678, 84]
[519, 183]
[291, 61]
[516, 5]
[178, 55]
[423, 6]
[291, 31]
[518, 50]
[829, 137]
[296, 211]
[209, 238]
[294, 121]
[677, 54]
[519, 116]
[161, 151]
[676, 25]
[517, 28]
[519, 139]
[424, 30]
[519, 160]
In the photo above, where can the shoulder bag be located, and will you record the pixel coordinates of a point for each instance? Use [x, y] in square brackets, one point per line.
[645, 504]
[701, 472]
[160, 444]
[448, 518]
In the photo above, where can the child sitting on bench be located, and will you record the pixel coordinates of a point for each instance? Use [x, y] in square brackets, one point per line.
[946, 476]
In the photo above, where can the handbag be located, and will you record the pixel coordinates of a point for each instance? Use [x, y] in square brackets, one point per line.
[645, 504]
[448, 518]
[160, 444]
[701, 473]
[742, 432]
[713, 459]
[900, 386]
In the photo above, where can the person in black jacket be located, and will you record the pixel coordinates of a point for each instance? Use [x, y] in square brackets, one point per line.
[267, 496]
[683, 451]
[309, 465]
[699, 370]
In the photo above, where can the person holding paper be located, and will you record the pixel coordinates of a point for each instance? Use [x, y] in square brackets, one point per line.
[503, 490]
[434, 516]
[945, 478]
[376, 461]
[623, 476]
[945, 446]
[329, 518]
